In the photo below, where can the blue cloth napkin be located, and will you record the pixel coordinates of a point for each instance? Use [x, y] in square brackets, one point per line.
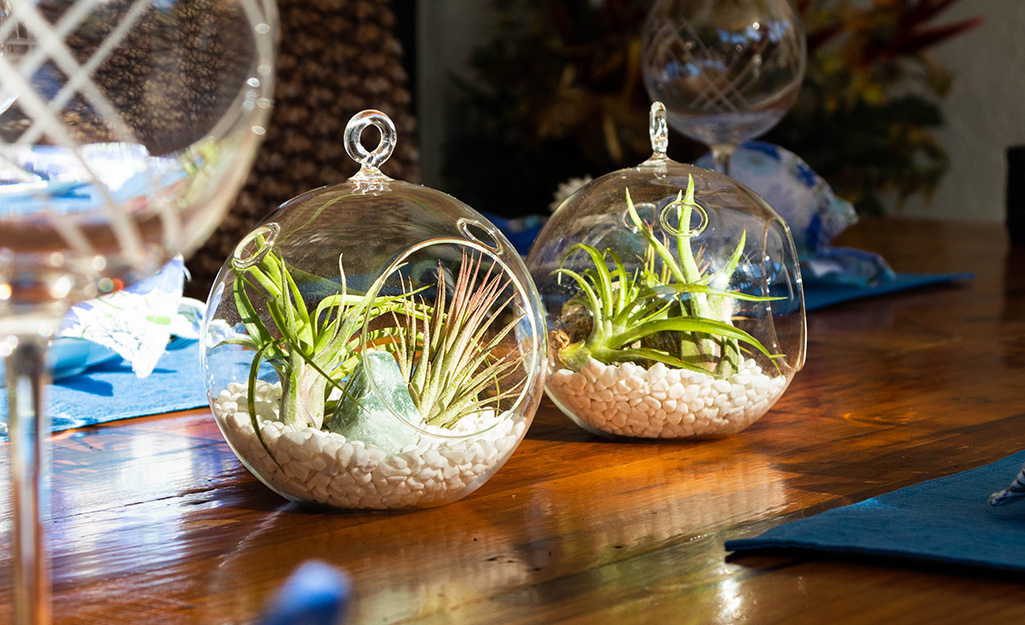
[110, 391]
[947, 519]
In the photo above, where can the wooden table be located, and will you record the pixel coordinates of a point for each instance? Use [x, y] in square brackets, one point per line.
[154, 521]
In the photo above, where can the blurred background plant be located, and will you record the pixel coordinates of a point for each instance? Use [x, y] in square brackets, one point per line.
[557, 93]
[871, 98]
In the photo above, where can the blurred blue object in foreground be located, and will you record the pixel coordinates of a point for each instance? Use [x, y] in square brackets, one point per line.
[315, 594]
[813, 213]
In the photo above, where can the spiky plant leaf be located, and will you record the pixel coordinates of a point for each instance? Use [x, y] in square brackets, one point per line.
[446, 349]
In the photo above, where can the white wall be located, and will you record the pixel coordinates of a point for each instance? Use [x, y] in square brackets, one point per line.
[985, 110]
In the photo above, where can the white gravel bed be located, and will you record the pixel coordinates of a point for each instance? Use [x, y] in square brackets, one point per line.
[323, 467]
[663, 402]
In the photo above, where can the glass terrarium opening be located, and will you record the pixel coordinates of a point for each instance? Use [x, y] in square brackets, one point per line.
[459, 331]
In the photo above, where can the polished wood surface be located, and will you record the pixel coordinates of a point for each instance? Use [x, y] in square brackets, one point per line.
[154, 521]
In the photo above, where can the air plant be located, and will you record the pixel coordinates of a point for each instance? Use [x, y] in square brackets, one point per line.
[669, 310]
[447, 349]
[312, 351]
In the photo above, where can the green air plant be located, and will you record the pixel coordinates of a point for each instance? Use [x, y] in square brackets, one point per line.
[448, 349]
[667, 310]
[312, 351]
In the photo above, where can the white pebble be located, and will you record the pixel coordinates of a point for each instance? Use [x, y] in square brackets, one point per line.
[563, 376]
[690, 393]
[608, 377]
[360, 457]
[344, 454]
[318, 463]
[433, 458]
[593, 369]
[299, 453]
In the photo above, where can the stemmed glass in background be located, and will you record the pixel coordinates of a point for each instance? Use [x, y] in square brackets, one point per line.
[126, 129]
[727, 70]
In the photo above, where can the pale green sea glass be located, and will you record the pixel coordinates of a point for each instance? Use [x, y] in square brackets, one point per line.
[363, 414]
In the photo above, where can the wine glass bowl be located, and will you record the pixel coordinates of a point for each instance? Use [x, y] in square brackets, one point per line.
[129, 128]
[126, 129]
[727, 70]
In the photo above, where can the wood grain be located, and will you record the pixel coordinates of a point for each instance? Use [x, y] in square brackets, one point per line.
[154, 520]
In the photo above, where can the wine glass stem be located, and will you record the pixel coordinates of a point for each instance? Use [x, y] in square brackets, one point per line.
[721, 155]
[29, 427]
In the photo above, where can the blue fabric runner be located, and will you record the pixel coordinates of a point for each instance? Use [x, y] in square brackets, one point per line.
[818, 296]
[947, 519]
[111, 391]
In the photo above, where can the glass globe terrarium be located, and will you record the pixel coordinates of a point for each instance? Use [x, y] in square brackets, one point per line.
[374, 344]
[673, 300]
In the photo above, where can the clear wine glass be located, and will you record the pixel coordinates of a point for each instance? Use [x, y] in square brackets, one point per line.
[126, 128]
[727, 70]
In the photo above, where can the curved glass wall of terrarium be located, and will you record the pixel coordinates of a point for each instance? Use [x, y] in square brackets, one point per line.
[402, 246]
[733, 251]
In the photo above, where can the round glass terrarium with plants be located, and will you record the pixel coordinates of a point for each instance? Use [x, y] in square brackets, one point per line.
[374, 344]
[673, 300]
